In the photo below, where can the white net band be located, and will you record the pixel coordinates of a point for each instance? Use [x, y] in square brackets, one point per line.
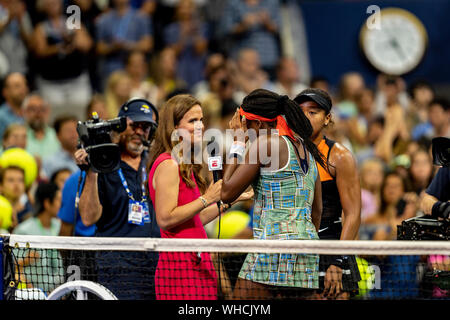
[208, 269]
[332, 247]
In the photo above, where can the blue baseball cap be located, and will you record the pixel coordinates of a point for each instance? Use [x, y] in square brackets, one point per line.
[139, 110]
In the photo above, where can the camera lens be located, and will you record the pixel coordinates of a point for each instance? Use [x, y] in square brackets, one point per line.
[105, 158]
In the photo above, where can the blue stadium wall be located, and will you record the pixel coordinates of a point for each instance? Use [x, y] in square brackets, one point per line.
[333, 28]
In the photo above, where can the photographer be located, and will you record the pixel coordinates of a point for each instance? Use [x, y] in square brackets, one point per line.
[436, 202]
[108, 200]
[436, 199]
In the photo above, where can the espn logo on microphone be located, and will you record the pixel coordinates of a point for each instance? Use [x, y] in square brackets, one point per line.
[215, 163]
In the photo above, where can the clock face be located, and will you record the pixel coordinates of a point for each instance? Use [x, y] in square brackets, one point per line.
[397, 45]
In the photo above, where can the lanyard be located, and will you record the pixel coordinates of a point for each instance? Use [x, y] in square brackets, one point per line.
[79, 190]
[125, 185]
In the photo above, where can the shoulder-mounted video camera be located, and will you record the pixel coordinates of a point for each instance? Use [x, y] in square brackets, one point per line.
[95, 138]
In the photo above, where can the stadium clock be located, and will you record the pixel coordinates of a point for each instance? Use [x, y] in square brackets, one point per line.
[395, 43]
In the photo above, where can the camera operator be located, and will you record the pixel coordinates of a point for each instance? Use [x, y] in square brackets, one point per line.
[109, 200]
[436, 202]
[436, 199]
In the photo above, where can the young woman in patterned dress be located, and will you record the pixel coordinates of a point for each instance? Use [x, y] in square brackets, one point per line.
[287, 201]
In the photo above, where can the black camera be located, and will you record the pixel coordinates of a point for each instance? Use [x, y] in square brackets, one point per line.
[440, 148]
[95, 137]
[423, 228]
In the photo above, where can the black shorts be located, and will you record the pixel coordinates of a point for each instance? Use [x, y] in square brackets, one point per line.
[350, 271]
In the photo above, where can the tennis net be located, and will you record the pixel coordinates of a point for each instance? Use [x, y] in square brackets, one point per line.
[42, 267]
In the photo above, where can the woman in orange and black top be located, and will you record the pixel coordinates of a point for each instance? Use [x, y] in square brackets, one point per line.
[341, 198]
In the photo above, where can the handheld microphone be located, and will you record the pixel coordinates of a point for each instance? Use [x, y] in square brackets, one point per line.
[214, 161]
[215, 165]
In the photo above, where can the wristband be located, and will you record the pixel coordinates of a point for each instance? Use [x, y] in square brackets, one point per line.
[235, 155]
[204, 202]
[338, 261]
[237, 148]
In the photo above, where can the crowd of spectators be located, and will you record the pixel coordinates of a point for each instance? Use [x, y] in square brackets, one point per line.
[219, 51]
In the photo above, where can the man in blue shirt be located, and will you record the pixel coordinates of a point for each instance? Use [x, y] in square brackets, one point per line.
[71, 225]
[436, 200]
[438, 124]
[188, 35]
[254, 24]
[68, 213]
[16, 30]
[118, 205]
[15, 90]
[119, 32]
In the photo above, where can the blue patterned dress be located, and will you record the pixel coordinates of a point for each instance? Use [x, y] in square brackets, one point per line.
[282, 211]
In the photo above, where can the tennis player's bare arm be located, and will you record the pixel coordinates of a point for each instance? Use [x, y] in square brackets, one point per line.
[343, 167]
[316, 210]
[238, 176]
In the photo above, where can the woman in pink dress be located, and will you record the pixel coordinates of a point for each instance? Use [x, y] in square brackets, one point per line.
[183, 204]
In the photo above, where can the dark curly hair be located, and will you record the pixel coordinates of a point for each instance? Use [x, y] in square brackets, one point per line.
[269, 104]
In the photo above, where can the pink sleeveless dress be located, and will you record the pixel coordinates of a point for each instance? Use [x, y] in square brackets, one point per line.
[184, 275]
